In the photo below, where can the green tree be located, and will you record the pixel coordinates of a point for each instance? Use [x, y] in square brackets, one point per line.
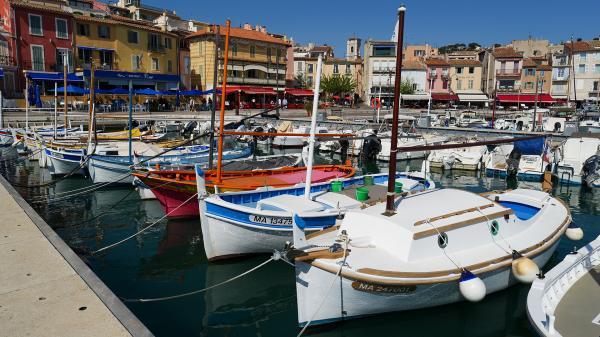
[337, 85]
[300, 81]
[406, 87]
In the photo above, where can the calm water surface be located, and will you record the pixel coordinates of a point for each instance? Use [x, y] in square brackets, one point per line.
[169, 259]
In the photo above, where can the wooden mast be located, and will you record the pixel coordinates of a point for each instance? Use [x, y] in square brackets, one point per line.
[223, 97]
[390, 209]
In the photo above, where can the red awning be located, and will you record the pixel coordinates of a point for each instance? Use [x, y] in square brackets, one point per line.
[444, 97]
[299, 92]
[525, 98]
[251, 90]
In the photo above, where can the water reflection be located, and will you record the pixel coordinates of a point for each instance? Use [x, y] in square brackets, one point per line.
[169, 259]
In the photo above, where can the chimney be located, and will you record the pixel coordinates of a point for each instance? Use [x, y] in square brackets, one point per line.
[257, 28]
[263, 29]
[247, 26]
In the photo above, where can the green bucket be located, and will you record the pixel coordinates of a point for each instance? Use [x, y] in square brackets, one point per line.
[398, 188]
[368, 180]
[362, 193]
[336, 186]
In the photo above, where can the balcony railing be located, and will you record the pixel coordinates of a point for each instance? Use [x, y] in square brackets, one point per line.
[560, 78]
[158, 48]
[37, 66]
[507, 89]
[508, 72]
[7, 60]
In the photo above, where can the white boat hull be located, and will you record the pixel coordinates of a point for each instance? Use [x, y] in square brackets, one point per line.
[313, 284]
[109, 172]
[63, 166]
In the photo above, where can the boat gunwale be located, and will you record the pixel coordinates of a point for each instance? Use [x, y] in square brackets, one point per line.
[383, 277]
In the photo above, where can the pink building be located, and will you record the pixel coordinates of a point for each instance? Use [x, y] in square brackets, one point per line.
[438, 80]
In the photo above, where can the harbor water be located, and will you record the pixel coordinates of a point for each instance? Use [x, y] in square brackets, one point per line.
[169, 259]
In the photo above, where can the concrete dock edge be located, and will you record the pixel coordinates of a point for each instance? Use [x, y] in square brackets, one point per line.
[129, 321]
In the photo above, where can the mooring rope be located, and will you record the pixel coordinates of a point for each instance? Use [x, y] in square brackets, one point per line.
[91, 189]
[68, 175]
[328, 290]
[172, 297]
[145, 228]
[109, 209]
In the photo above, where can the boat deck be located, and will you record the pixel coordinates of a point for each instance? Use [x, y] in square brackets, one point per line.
[45, 289]
[580, 307]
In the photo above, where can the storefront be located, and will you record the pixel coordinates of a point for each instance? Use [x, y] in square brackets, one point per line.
[444, 99]
[415, 100]
[475, 99]
[525, 101]
[297, 97]
[110, 79]
[46, 80]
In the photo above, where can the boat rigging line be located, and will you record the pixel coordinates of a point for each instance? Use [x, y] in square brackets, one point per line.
[145, 228]
[172, 297]
[344, 257]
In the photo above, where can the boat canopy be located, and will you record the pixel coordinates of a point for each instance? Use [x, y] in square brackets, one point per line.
[531, 146]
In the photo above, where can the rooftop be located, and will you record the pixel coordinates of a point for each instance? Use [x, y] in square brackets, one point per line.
[242, 33]
[413, 65]
[436, 62]
[475, 63]
[506, 52]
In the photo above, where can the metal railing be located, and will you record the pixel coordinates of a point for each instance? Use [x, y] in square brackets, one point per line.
[6, 60]
[154, 47]
[508, 72]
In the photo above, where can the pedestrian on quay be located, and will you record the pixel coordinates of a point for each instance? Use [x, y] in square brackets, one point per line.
[285, 103]
[192, 104]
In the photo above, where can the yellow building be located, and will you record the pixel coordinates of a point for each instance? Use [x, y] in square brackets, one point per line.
[465, 80]
[256, 58]
[121, 45]
[335, 67]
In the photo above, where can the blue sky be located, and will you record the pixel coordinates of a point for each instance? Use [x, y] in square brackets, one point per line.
[436, 22]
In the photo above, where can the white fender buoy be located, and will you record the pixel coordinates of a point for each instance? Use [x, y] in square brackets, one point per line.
[523, 268]
[471, 287]
[574, 232]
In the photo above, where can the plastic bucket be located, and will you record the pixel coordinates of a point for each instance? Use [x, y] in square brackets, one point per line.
[362, 193]
[398, 188]
[368, 180]
[336, 186]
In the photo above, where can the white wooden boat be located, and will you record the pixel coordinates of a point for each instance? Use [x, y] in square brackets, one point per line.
[590, 126]
[6, 138]
[566, 301]
[464, 247]
[409, 141]
[495, 160]
[465, 158]
[260, 221]
[65, 160]
[579, 161]
[294, 141]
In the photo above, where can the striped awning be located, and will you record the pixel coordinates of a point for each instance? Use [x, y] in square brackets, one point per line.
[415, 97]
[473, 97]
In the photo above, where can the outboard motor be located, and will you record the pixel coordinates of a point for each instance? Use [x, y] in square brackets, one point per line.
[590, 172]
[512, 163]
[188, 128]
[271, 130]
[371, 148]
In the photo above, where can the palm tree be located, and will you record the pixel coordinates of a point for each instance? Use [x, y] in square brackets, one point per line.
[337, 85]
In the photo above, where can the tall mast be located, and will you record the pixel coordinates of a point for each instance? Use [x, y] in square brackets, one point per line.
[223, 97]
[65, 69]
[313, 126]
[214, 99]
[390, 208]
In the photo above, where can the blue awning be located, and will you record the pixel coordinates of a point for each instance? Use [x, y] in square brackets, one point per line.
[51, 76]
[532, 146]
[1, 72]
[124, 75]
[95, 48]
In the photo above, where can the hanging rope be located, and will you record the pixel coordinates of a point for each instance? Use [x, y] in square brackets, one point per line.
[328, 290]
[443, 248]
[90, 189]
[68, 175]
[167, 298]
[145, 228]
[111, 208]
[493, 238]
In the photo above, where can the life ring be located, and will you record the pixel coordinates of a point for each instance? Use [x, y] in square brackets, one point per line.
[375, 103]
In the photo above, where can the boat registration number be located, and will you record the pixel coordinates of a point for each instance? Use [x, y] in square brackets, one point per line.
[379, 288]
[268, 220]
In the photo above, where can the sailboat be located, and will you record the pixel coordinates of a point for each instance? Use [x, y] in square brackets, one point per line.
[420, 250]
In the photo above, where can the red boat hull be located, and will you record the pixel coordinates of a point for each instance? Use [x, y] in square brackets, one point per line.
[172, 201]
